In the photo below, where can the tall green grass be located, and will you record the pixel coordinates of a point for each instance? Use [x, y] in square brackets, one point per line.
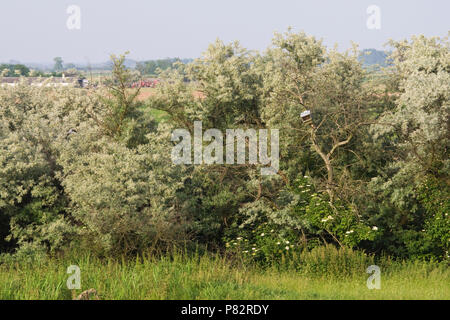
[326, 274]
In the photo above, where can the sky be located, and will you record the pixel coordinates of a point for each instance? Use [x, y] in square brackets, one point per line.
[37, 31]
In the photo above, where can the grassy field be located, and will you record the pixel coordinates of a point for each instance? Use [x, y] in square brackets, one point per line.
[213, 277]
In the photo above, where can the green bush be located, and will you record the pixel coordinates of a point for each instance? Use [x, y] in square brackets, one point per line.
[33, 126]
[266, 244]
[77, 168]
[92, 169]
[308, 220]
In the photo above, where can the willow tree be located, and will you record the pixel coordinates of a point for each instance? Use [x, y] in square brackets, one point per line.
[413, 190]
[222, 88]
[421, 119]
[301, 74]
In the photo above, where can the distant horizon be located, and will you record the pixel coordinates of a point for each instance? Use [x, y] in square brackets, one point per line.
[128, 58]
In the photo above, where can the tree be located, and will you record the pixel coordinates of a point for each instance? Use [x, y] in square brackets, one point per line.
[151, 67]
[122, 118]
[58, 64]
[14, 70]
[85, 168]
[418, 128]
[239, 88]
[222, 89]
[420, 122]
[301, 75]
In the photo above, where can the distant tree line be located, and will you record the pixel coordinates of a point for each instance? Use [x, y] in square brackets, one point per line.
[150, 67]
[14, 70]
[20, 70]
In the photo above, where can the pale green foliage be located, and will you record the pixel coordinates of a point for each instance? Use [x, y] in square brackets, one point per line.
[121, 118]
[63, 177]
[244, 89]
[123, 197]
[226, 81]
[418, 131]
[33, 126]
[419, 126]
[301, 74]
[92, 168]
[223, 92]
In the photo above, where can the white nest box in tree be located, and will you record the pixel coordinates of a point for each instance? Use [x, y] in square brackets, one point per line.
[306, 116]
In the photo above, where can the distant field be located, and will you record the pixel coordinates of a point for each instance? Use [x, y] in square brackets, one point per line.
[210, 277]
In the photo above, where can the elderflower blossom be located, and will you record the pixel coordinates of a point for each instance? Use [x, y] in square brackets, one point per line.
[327, 218]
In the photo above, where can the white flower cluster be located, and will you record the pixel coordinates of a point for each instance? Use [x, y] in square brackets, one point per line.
[327, 218]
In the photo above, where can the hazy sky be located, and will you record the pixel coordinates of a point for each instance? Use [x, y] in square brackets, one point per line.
[36, 31]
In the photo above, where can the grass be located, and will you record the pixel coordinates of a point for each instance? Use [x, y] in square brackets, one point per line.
[158, 115]
[214, 277]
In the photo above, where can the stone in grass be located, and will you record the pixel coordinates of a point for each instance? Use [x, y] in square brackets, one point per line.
[86, 295]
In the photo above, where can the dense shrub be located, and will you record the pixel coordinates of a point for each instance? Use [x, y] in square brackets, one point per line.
[92, 168]
[123, 198]
[33, 126]
[78, 168]
[410, 192]
[307, 221]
